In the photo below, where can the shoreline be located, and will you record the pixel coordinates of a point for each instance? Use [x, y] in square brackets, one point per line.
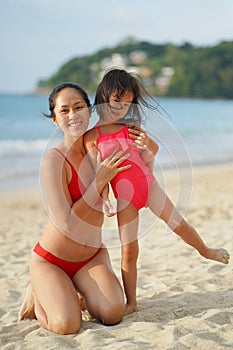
[17, 185]
[184, 301]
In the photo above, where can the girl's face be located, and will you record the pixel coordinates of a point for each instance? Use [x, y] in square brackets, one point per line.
[71, 112]
[118, 107]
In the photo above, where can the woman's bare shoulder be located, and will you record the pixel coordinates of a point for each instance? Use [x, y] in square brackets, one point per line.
[51, 160]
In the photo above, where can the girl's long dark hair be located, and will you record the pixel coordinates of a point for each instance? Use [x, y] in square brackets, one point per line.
[118, 81]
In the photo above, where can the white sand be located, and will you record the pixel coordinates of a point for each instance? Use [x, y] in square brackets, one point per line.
[185, 301]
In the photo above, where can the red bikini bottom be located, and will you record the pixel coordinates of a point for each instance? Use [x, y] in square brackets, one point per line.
[69, 267]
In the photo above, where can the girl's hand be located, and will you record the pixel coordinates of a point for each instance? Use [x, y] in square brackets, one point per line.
[142, 140]
[107, 169]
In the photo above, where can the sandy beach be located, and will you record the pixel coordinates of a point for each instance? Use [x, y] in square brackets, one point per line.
[184, 301]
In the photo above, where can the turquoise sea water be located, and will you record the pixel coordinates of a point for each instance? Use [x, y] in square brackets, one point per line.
[195, 132]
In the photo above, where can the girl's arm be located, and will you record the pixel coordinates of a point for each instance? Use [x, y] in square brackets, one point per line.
[148, 146]
[90, 144]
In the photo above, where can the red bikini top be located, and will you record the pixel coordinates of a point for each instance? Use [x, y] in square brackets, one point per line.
[76, 187]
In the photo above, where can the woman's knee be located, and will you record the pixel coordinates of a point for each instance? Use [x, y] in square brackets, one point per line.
[64, 329]
[113, 314]
[64, 325]
[107, 312]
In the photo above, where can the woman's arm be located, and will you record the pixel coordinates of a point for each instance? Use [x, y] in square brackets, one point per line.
[74, 218]
[90, 144]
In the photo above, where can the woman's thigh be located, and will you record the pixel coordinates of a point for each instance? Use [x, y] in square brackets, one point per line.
[56, 303]
[101, 289]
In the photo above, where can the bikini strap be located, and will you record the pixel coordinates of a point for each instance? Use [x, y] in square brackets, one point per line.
[63, 155]
[98, 129]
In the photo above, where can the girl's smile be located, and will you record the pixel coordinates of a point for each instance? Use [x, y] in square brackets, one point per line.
[119, 106]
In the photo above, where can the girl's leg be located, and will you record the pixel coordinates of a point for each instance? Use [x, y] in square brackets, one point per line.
[101, 289]
[57, 305]
[127, 216]
[161, 205]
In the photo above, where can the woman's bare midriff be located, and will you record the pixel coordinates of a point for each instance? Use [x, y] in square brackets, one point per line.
[66, 248]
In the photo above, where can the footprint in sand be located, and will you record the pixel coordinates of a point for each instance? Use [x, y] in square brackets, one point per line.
[221, 318]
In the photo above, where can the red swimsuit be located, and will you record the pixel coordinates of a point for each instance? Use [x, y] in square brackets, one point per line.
[133, 184]
[76, 189]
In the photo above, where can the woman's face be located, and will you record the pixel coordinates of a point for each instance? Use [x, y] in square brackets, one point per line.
[71, 112]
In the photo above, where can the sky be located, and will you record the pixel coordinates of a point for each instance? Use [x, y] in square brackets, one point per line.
[38, 36]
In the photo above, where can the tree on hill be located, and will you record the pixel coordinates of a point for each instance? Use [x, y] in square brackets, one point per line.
[166, 69]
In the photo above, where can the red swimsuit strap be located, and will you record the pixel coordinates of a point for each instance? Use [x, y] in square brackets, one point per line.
[59, 151]
[75, 186]
[98, 129]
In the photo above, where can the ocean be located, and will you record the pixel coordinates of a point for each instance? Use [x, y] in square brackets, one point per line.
[190, 132]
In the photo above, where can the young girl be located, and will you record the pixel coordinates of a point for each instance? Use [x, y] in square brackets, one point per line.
[117, 102]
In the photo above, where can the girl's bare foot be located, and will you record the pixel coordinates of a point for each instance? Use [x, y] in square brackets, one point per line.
[221, 255]
[27, 309]
[130, 308]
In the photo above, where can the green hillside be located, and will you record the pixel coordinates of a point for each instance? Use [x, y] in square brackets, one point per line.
[166, 69]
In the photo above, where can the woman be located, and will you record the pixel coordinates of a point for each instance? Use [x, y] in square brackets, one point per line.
[69, 257]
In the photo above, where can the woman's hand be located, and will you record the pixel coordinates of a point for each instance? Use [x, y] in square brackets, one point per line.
[107, 169]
